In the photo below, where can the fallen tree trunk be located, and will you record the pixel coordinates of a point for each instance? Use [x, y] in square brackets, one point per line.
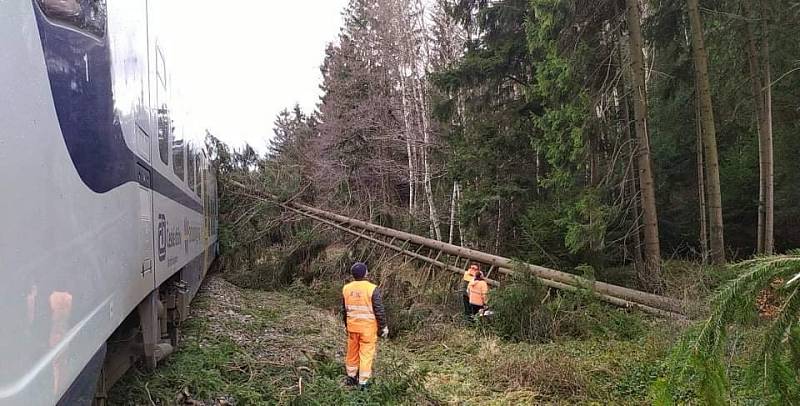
[505, 264]
[618, 295]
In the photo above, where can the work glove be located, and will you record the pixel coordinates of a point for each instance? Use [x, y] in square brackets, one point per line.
[385, 332]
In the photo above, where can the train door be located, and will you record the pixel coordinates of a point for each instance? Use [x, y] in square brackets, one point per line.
[145, 195]
[127, 37]
[145, 192]
[146, 226]
[131, 90]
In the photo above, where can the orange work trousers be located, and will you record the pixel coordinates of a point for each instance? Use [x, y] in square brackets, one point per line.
[360, 354]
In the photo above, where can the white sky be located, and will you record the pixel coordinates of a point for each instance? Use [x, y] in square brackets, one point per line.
[240, 62]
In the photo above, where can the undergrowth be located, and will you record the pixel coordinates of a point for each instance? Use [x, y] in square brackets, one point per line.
[525, 310]
[208, 367]
[540, 346]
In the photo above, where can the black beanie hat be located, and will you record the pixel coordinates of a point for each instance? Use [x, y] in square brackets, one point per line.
[359, 270]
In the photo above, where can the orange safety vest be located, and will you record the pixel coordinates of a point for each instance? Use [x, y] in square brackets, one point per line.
[358, 305]
[477, 292]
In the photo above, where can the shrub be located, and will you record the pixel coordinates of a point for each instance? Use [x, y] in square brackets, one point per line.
[519, 313]
[524, 310]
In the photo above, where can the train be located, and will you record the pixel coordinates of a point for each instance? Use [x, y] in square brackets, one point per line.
[108, 201]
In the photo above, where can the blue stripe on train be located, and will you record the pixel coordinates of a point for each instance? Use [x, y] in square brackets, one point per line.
[85, 110]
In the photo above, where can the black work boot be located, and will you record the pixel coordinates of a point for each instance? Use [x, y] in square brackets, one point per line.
[363, 386]
[351, 381]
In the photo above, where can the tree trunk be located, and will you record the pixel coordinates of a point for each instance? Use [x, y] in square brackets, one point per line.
[701, 187]
[458, 214]
[434, 216]
[497, 228]
[638, 260]
[709, 134]
[769, 173]
[631, 176]
[757, 87]
[452, 212]
[503, 265]
[652, 250]
[409, 136]
[420, 80]
[422, 112]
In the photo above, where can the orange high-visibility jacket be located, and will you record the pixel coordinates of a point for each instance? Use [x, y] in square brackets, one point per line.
[469, 276]
[363, 308]
[477, 292]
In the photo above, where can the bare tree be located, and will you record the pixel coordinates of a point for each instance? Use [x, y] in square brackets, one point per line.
[406, 39]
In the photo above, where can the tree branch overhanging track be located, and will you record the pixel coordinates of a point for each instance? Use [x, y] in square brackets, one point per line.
[411, 246]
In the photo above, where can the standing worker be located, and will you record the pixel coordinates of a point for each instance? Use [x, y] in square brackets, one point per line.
[478, 289]
[469, 276]
[364, 317]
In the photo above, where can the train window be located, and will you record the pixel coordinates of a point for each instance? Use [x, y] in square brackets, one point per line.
[190, 172]
[177, 154]
[86, 15]
[164, 129]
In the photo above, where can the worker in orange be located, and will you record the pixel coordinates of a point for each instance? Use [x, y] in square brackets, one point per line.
[364, 317]
[478, 290]
[468, 277]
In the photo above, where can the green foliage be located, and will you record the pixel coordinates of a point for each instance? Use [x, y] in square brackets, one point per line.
[519, 311]
[486, 123]
[563, 121]
[524, 310]
[545, 236]
[396, 385]
[586, 223]
[637, 381]
[208, 368]
[699, 357]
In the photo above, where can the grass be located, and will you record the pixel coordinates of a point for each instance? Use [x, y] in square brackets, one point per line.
[286, 347]
[261, 348]
[208, 366]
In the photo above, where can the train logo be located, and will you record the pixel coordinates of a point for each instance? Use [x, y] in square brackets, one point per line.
[162, 237]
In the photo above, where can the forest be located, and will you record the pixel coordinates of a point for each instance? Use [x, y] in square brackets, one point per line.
[648, 143]
[608, 133]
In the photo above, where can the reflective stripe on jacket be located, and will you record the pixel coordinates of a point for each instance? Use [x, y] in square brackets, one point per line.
[363, 307]
[477, 292]
[469, 276]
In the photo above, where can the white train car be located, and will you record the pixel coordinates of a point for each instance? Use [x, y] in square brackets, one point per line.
[107, 211]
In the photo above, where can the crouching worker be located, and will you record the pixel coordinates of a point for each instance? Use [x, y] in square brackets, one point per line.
[478, 289]
[364, 317]
[469, 276]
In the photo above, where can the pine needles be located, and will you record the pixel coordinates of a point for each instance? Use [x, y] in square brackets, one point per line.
[697, 361]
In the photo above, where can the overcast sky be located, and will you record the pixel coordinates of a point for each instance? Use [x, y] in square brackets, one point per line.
[242, 61]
